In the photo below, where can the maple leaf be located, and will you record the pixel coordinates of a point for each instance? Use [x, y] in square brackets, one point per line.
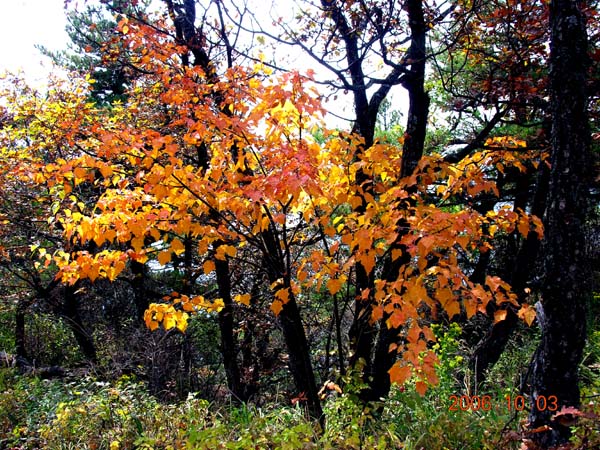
[396, 319]
[500, 315]
[377, 314]
[399, 374]
[448, 301]
[164, 257]
[223, 251]
[527, 313]
[283, 295]
[177, 246]
[208, 266]
[244, 299]
[334, 285]
[421, 388]
[276, 307]
[149, 319]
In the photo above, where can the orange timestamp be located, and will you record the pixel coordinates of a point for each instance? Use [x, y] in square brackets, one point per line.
[511, 403]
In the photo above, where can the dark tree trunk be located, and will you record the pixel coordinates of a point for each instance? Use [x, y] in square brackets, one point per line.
[229, 348]
[412, 152]
[418, 111]
[21, 356]
[70, 311]
[290, 321]
[299, 353]
[141, 295]
[187, 34]
[370, 341]
[362, 331]
[565, 291]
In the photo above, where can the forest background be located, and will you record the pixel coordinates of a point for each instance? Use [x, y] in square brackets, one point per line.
[193, 256]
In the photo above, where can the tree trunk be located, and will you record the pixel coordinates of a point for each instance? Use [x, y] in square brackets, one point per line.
[290, 320]
[299, 353]
[21, 356]
[140, 293]
[412, 152]
[229, 347]
[73, 318]
[565, 291]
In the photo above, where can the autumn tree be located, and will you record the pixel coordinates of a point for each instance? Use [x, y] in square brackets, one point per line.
[367, 49]
[491, 80]
[212, 165]
[347, 39]
[28, 236]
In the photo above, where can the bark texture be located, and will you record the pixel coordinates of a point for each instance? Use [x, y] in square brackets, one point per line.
[562, 310]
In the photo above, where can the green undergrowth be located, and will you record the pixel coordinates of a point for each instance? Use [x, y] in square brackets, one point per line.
[86, 413]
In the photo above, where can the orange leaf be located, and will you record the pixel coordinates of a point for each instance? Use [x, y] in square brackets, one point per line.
[425, 245]
[499, 315]
[399, 374]
[225, 250]
[527, 313]
[276, 307]
[177, 246]
[377, 313]
[283, 295]
[334, 285]
[396, 319]
[208, 266]
[164, 257]
[421, 387]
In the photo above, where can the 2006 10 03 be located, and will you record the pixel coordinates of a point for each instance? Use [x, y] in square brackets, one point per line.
[512, 403]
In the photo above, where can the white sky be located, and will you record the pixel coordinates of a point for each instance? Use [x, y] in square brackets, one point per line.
[25, 23]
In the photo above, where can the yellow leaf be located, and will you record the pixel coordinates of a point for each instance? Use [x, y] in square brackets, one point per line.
[169, 321]
[217, 305]
[181, 318]
[527, 313]
[164, 257]
[177, 246]
[244, 299]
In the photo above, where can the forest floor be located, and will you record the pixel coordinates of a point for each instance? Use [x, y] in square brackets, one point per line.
[84, 412]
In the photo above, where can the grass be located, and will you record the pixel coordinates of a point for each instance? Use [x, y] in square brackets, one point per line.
[90, 414]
